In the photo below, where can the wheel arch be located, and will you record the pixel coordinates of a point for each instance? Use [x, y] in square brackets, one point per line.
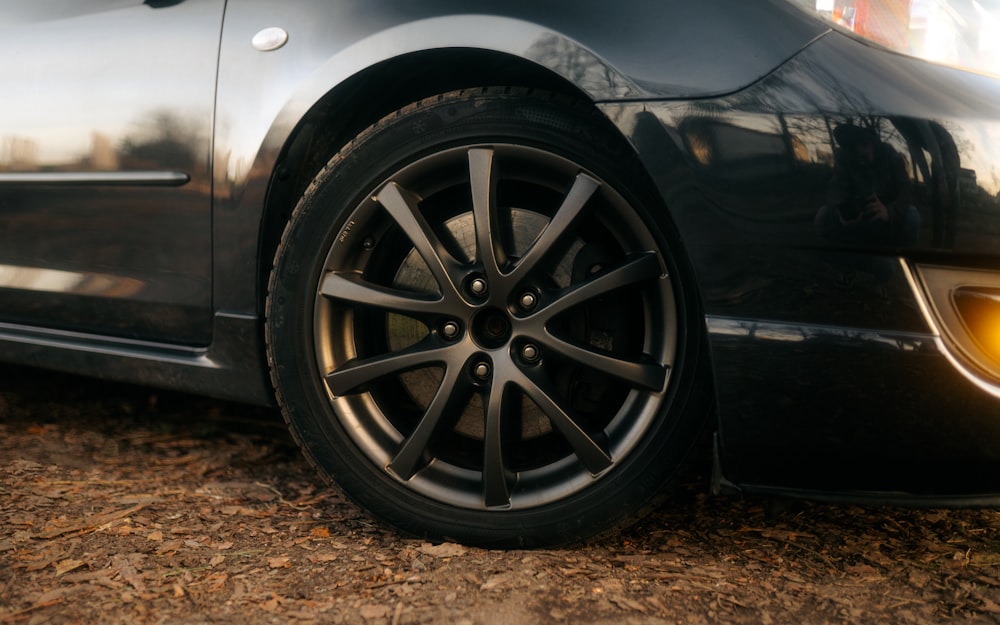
[280, 112]
[303, 147]
[335, 118]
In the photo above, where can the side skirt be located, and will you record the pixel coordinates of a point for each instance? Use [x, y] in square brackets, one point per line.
[232, 367]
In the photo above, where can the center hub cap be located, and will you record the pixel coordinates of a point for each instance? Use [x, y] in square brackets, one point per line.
[491, 328]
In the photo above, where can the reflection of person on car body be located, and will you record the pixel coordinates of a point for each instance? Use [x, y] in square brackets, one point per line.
[869, 198]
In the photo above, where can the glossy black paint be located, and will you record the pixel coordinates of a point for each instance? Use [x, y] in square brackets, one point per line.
[386, 54]
[828, 376]
[884, 412]
[114, 136]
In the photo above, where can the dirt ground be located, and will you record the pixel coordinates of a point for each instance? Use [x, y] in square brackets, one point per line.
[121, 504]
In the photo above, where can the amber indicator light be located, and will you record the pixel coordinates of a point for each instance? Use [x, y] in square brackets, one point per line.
[980, 312]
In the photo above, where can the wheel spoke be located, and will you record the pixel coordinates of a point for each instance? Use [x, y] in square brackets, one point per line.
[402, 206]
[488, 240]
[354, 374]
[583, 188]
[590, 454]
[449, 399]
[646, 374]
[351, 287]
[495, 491]
[645, 266]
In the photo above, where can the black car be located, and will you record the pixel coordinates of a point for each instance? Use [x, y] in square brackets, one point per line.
[501, 264]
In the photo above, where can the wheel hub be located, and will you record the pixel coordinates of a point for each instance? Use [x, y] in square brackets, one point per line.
[491, 328]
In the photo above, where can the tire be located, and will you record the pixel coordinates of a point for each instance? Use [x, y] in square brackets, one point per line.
[478, 323]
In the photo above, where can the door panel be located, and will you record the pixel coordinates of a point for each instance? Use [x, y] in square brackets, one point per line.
[105, 187]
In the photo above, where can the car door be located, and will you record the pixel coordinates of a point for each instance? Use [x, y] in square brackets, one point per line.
[105, 154]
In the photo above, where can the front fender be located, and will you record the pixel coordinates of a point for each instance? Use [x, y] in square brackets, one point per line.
[609, 51]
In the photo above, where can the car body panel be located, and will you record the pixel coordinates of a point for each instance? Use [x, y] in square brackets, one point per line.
[201, 332]
[828, 373]
[263, 96]
[115, 138]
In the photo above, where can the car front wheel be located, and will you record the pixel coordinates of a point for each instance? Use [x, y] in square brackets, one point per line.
[479, 326]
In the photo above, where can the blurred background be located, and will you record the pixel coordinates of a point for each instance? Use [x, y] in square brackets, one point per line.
[964, 33]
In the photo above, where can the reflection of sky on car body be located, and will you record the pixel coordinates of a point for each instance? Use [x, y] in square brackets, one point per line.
[127, 69]
[58, 281]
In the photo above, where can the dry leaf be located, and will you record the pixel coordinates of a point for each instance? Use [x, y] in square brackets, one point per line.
[128, 573]
[279, 563]
[574, 571]
[628, 604]
[169, 546]
[217, 581]
[374, 611]
[990, 606]
[323, 557]
[863, 570]
[68, 565]
[444, 550]
[57, 595]
[92, 523]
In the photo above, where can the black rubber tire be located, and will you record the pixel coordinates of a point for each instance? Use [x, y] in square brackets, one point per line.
[361, 330]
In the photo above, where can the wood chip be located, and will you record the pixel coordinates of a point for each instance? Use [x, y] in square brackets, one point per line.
[91, 523]
[128, 573]
[444, 550]
[68, 565]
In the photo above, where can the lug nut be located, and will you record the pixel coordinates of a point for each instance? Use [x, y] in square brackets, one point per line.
[478, 287]
[528, 301]
[481, 370]
[450, 330]
[529, 353]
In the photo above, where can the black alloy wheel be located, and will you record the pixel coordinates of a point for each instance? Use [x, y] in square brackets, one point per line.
[477, 328]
